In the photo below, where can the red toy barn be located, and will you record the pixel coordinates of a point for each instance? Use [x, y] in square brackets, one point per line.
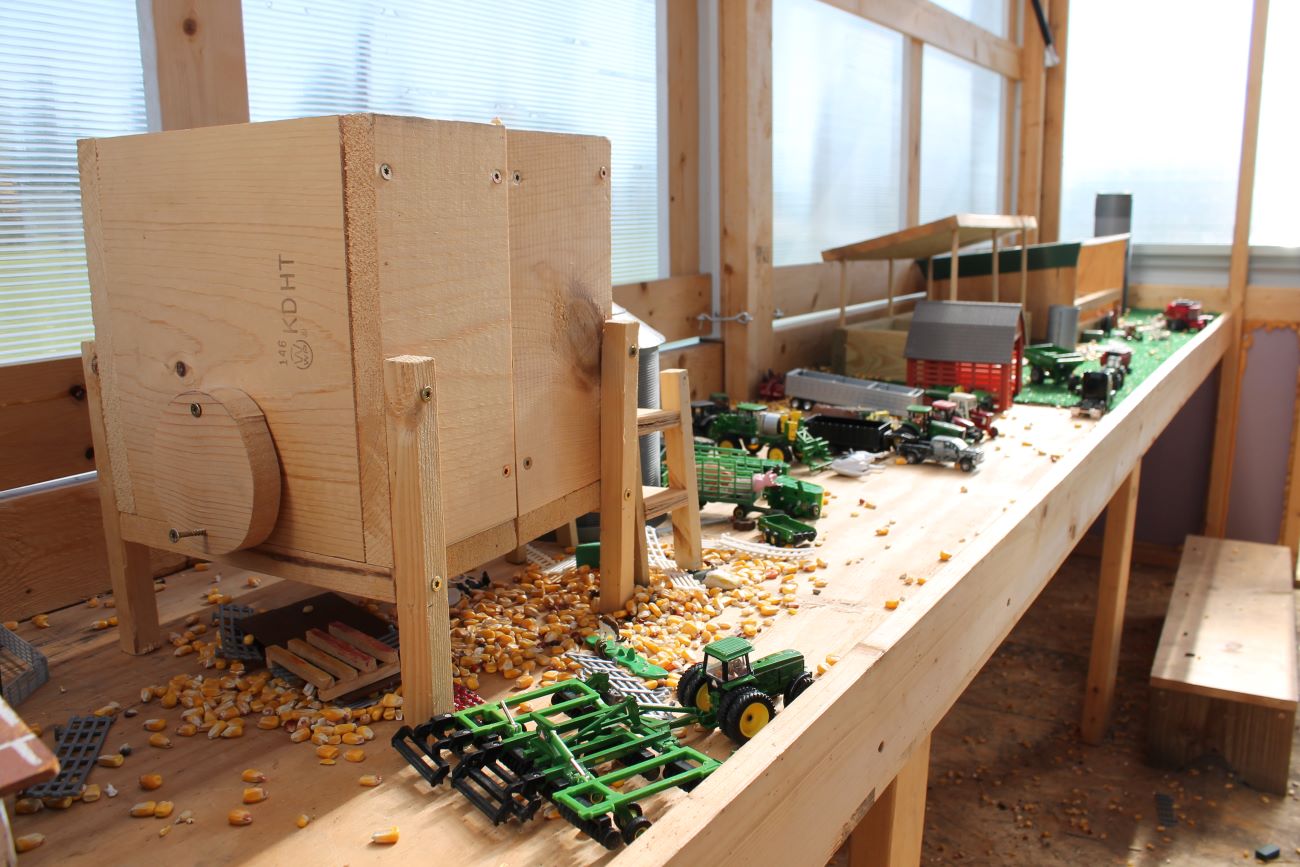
[971, 344]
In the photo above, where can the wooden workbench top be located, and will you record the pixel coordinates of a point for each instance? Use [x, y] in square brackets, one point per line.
[790, 796]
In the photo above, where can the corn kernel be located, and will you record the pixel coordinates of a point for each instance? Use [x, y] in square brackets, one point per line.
[302, 820]
[155, 725]
[27, 806]
[357, 755]
[386, 837]
[370, 780]
[163, 809]
[160, 740]
[90, 793]
[28, 842]
[187, 730]
[58, 803]
[41, 621]
[239, 817]
[252, 775]
[149, 782]
[327, 751]
[254, 794]
[144, 809]
[110, 760]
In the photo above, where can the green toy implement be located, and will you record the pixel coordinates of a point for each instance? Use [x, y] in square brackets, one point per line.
[612, 649]
[784, 531]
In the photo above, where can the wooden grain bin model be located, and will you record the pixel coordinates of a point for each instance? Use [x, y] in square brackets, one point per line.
[974, 345]
[311, 334]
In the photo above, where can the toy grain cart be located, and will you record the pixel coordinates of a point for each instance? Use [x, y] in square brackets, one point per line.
[310, 334]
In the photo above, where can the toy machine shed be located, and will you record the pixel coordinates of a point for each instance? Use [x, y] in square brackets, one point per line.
[975, 345]
[282, 311]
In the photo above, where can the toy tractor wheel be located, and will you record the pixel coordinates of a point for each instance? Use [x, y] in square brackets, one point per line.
[689, 685]
[796, 687]
[745, 712]
[967, 465]
[739, 513]
[726, 443]
[912, 456]
[775, 453]
[1035, 374]
[634, 827]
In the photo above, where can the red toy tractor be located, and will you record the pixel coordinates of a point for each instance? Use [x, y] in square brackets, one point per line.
[1184, 314]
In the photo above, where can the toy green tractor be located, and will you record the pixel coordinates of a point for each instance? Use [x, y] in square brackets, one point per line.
[738, 697]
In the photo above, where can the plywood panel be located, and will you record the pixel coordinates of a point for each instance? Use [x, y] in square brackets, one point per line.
[222, 251]
[44, 428]
[560, 297]
[444, 292]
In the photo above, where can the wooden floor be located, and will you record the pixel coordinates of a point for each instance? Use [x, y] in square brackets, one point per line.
[1011, 783]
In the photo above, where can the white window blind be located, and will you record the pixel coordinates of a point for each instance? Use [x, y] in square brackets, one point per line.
[961, 136]
[836, 137]
[1277, 172]
[1153, 106]
[68, 70]
[989, 14]
[582, 66]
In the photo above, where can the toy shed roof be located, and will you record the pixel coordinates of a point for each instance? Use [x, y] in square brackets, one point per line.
[971, 331]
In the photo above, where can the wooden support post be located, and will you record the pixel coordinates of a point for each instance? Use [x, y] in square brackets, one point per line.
[1233, 366]
[683, 37]
[566, 535]
[952, 275]
[929, 277]
[129, 570]
[1024, 267]
[913, 56]
[192, 52]
[1049, 218]
[889, 290]
[1032, 105]
[620, 480]
[1116, 557]
[745, 188]
[844, 292]
[679, 447]
[419, 546]
[995, 265]
[890, 834]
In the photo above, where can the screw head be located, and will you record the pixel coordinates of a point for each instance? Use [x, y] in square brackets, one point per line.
[386, 171]
[496, 177]
[426, 393]
[516, 177]
[435, 583]
[196, 409]
[631, 351]
[604, 173]
[528, 463]
[174, 535]
[181, 368]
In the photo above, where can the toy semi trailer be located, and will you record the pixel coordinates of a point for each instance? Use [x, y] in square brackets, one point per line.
[807, 387]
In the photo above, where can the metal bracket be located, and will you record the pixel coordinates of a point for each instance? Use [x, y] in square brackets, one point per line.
[742, 318]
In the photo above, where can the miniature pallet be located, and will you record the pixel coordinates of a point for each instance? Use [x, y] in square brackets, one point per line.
[337, 662]
[77, 746]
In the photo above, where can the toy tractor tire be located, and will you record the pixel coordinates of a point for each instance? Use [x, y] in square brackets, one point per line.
[633, 828]
[967, 465]
[775, 453]
[1035, 374]
[744, 713]
[690, 684]
[726, 443]
[912, 456]
[681, 767]
[797, 687]
[739, 513]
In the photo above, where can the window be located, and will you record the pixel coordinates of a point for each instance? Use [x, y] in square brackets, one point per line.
[1153, 106]
[68, 70]
[961, 137]
[1277, 174]
[989, 14]
[836, 129]
[587, 66]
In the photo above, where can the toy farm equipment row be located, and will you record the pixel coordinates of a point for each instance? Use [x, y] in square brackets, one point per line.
[582, 749]
[752, 426]
[725, 475]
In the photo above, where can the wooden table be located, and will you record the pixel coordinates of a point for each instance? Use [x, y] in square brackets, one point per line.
[855, 745]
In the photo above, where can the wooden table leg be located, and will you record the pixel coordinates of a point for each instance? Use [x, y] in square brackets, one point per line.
[419, 545]
[129, 570]
[1116, 557]
[890, 834]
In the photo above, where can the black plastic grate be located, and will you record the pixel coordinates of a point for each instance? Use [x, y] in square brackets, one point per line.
[77, 746]
[229, 619]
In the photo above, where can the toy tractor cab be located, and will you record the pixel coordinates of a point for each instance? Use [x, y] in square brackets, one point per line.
[738, 697]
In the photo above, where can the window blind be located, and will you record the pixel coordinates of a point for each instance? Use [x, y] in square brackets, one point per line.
[961, 136]
[582, 66]
[836, 129]
[68, 70]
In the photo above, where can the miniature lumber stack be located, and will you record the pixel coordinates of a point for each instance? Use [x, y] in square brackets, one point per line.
[336, 662]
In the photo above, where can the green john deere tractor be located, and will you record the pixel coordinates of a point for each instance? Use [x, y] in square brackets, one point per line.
[738, 697]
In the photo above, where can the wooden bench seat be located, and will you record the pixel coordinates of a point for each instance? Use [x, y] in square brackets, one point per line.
[1224, 677]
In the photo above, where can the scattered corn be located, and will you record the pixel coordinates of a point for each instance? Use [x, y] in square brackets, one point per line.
[252, 775]
[90, 794]
[144, 809]
[239, 817]
[160, 740]
[155, 725]
[944, 556]
[41, 621]
[187, 730]
[110, 760]
[149, 782]
[27, 806]
[254, 794]
[165, 830]
[163, 809]
[58, 803]
[891, 604]
[302, 821]
[370, 780]
[268, 722]
[387, 837]
[11, 625]
[28, 842]
[327, 751]
[357, 755]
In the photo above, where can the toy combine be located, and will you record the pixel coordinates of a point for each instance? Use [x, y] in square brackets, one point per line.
[583, 745]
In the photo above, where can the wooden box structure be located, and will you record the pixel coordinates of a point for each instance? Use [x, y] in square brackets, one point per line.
[266, 295]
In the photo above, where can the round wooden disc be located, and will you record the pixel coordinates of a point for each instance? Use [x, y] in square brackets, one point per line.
[217, 470]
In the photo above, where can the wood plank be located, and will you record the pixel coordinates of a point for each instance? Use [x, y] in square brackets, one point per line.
[1218, 499]
[800, 289]
[661, 501]
[277, 655]
[1112, 595]
[52, 550]
[1058, 12]
[930, 239]
[24, 760]
[259, 236]
[936, 26]
[361, 641]
[890, 834]
[1033, 104]
[452, 301]
[745, 188]
[192, 52]
[651, 420]
[913, 77]
[342, 688]
[671, 306]
[326, 662]
[683, 38]
[1230, 629]
[420, 574]
[341, 649]
[1274, 304]
[620, 480]
[679, 457]
[1010, 113]
[44, 426]
[558, 512]
[560, 296]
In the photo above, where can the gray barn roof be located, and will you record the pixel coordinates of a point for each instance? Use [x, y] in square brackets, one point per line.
[963, 331]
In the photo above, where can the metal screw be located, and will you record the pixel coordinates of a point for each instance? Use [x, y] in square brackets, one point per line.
[94, 364]
[176, 535]
[78, 392]
[426, 393]
[631, 351]
[181, 368]
[386, 171]
[627, 493]
[196, 410]
[496, 177]
[528, 463]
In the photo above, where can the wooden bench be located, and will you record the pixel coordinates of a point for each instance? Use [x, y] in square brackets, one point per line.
[1224, 677]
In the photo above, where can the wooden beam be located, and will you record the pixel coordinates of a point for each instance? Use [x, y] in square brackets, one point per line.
[671, 306]
[1033, 98]
[1010, 113]
[913, 75]
[1049, 219]
[1225, 423]
[1108, 625]
[745, 145]
[44, 426]
[683, 137]
[620, 472]
[679, 448]
[420, 571]
[890, 834]
[193, 57]
[703, 362]
[936, 26]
